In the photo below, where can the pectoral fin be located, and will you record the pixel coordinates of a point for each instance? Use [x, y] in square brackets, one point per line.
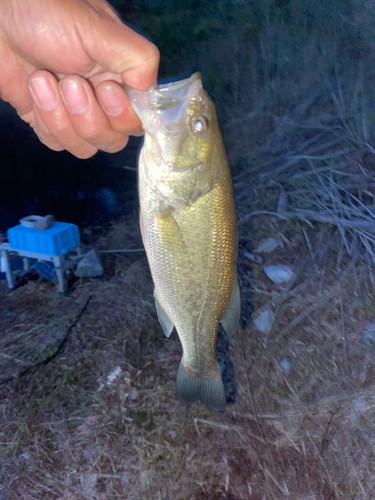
[163, 317]
[231, 317]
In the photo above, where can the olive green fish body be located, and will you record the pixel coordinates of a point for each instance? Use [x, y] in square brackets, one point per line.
[188, 227]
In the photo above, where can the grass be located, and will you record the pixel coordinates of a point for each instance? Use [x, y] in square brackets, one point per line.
[101, 419]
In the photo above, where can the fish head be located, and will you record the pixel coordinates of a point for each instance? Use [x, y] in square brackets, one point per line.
[180, 124]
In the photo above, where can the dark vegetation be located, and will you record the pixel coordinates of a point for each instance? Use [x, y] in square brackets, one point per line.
[293, 83]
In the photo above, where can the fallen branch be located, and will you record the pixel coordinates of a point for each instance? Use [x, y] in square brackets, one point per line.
[58, 350]
[319, 217]
[314, 216]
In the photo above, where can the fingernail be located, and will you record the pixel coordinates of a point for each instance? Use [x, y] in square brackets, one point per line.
[75, 97]
[43, 93]
[110, 101]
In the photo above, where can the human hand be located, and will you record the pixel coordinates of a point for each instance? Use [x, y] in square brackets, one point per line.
[62, 63]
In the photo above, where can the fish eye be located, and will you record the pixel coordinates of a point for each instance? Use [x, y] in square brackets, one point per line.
[200, 124]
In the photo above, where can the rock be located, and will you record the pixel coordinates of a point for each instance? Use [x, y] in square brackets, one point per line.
[285, 366]
[368, 336]
[134, 394]
[269, 245]
[90, 266]
[255, 258]
[279, 274]
[263, 320]
[359, 407]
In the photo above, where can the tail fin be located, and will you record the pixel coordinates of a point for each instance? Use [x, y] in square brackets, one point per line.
[191, 387]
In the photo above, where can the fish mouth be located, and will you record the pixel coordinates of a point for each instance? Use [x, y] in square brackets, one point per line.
[164, 104]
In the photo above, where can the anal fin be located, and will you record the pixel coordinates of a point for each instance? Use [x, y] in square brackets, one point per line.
[231, 317]
[164, 320]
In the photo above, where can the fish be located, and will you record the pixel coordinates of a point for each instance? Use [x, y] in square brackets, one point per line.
[188, 226]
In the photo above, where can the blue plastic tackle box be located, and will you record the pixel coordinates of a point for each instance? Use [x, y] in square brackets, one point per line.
[57, 240]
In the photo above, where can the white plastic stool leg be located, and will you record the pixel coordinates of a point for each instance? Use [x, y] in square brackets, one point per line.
[8, 272]
[60, 274]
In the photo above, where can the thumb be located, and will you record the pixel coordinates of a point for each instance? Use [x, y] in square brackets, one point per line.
[121, 50]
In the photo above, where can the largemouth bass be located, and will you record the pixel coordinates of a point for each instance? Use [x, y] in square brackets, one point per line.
[188, 225]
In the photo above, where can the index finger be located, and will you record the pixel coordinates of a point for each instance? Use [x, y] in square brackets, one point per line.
[116, 104]
[120, 50]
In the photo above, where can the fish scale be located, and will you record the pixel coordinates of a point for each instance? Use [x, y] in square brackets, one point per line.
[188, 227]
